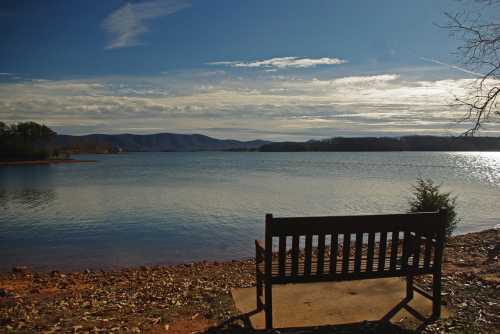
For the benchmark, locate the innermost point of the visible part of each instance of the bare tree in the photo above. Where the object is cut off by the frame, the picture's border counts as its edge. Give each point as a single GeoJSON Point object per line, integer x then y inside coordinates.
{"type": "Point", "coordinates": [479, 32]}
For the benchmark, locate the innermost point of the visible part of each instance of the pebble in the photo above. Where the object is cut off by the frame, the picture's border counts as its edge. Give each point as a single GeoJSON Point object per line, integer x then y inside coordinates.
{"type": "Point", "coordinates": [5, 293]}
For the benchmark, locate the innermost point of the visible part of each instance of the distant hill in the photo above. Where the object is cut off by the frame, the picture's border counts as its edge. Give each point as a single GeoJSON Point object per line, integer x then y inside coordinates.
{"type": "Point", "coordinates": [102, 143]}
{"type": "Point", "coordinates": [170, 142]}
{"type": "Point", "coordinates": [408, 143]}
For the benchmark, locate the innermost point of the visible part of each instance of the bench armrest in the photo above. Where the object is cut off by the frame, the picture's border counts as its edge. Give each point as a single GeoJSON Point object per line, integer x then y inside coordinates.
{"type": "Point", "coordinates": [260, 251]}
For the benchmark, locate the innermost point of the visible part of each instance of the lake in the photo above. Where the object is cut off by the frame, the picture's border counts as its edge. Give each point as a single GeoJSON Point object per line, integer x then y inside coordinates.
{"type": "Point", "coordinates": [161, 208]}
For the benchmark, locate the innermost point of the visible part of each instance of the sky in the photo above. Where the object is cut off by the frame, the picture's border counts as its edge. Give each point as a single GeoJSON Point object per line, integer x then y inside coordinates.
{"type": "Point", "coordinates": [273, 69]}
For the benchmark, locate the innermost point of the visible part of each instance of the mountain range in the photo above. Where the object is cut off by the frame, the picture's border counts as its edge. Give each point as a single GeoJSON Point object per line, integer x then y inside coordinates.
{"type": "Point", "coordinates": [170, 142]}
{"type": "Point", "coordinates": [160, 142]}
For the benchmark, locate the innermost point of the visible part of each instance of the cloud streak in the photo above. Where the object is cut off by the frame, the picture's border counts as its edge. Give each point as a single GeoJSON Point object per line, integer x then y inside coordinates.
{"type": "Point", "coordinates": [455, 67]}
{"type": "Point", "coordinates": [128, 23]}
{"type": "Point", "coordinates": [282, 63]}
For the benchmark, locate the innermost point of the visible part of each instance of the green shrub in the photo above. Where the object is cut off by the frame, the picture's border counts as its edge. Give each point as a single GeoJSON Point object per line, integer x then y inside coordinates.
{"type": "Point", "coordinates": [428, 197]}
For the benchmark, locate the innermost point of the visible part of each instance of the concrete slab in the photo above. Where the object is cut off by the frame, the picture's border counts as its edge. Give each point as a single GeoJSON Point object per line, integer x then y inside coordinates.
{"type": "Point", "coordinates": [332, 303]}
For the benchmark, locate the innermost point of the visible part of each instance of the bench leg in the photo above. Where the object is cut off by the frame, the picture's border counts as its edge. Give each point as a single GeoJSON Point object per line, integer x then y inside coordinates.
{"type": "Point", "coordinates": [269, 306]}
{"type": "Point", "coordinates": [436, 295]}
{"type": "Point", "coordinates": [259, 291]}
{"type": "Point", "coordinates": [409, 286]}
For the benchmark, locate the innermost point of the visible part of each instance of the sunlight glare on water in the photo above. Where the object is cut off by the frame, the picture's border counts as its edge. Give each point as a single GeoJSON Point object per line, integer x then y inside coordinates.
{"type": "Point", "coordinates": [481, 165]}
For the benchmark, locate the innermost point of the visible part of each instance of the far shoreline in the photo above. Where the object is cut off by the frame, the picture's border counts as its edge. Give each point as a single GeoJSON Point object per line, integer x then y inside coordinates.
{"type": "Point", "coordinates": [43, 162]}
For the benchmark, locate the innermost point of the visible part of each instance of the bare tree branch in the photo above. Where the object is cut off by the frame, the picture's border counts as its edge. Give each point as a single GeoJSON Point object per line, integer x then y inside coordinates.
{"type": "Point", "coordinates": [479, 52]}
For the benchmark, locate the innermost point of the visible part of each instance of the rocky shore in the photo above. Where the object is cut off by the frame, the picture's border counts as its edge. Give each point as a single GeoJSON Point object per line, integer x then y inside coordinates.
{"type": "Point", "coordinates": [195, 298]}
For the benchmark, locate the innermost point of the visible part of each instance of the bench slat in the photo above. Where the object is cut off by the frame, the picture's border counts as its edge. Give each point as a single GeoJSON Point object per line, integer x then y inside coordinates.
{"type": "Point", "coordinates": [351, 264]}
{"type": "Point", "coordinates": [295, 255]}
{"type": "Point", "coordinates": [394, 249]}
{"type": "Point", "coordinates": [308, 255]}
{"type": "Point", "coordinates": [282, 254]}
{"type": "Point", "coordinates": [406, 245]}
{"type": "Point", "coordinates": [370, 251]}
{"type": "Point", "coordinates": [345, 251]}
{"type": "Point", "coordinates": [382, 251]}
{"type": "Point", "coordinates": [355, 263]}
{"type": "Point", "coordinates": [416, 256]}
{"type": "Point", "coordinates": [334, 249]}
{"type": "Point", "coordinates": [321, 253]}
{"type": "Point", "coordinates": [357, 255]}
{"type": "Point", "coordinates": [422, 222]}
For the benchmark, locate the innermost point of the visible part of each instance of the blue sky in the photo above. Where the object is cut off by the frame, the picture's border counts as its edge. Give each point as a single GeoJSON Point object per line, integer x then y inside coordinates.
{"type": "Point", "coordinates": [232, 69]}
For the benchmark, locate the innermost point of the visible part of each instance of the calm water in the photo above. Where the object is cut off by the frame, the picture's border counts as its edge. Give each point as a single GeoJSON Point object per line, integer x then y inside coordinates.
{"type": "Point", "coordinates": [150, 208]}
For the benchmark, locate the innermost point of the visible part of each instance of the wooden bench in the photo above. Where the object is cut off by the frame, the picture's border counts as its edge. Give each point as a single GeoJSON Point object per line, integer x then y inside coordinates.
{"type": "Point", "coordinates": [344, 248]}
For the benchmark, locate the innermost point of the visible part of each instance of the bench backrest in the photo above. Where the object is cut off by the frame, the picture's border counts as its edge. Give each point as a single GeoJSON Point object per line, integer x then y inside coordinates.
{"type": "Point", "coordinates": [354, 247]}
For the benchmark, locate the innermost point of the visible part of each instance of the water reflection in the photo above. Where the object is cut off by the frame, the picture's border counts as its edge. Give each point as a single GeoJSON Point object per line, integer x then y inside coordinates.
{"type": "Point", "coordinates": [25, 176]}
{"type": "Point", "coordinates": [26, 187]}
{"type": "Point", "coordinates": [27, 198]}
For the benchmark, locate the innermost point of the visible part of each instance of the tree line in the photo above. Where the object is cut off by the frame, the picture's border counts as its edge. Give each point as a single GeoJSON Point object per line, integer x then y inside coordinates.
{"type": "Point", "coordinates": [407, 143]}
{"type": "Point", "coordinates": [26, 141]}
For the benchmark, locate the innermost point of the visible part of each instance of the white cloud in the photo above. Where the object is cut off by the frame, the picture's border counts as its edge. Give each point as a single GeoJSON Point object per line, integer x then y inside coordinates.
{"type": "Point", "coordinates": [283, 107]}
{"type": "Point", "coordinates": [363, 80]}
{"type": "Point", "coordinates": [126, 25]}
{"type": "Point", "coordinates": [282, 62]}
{"type": "Point", "coordinates": [217, 63]}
